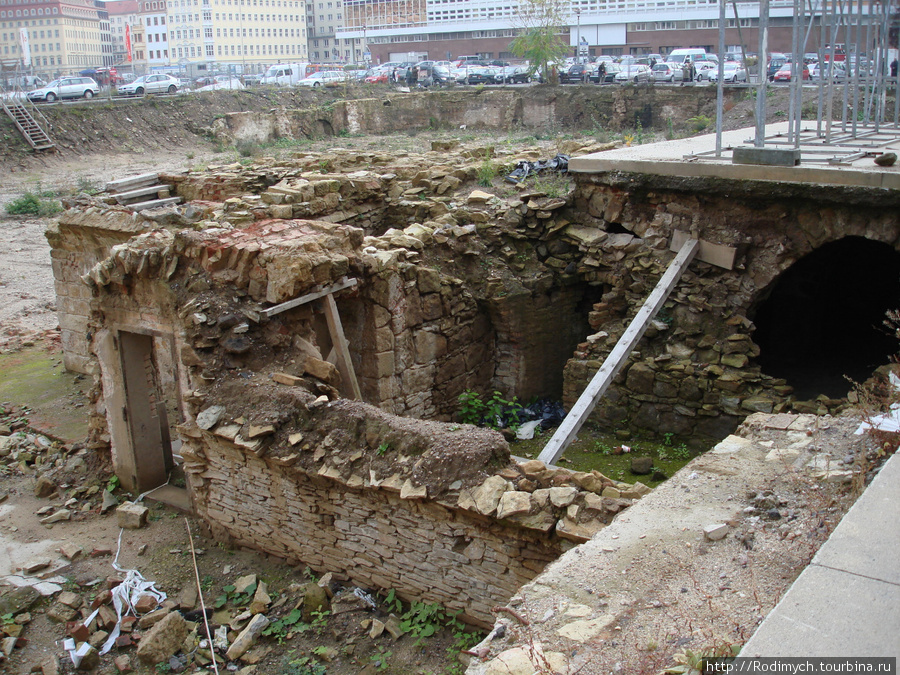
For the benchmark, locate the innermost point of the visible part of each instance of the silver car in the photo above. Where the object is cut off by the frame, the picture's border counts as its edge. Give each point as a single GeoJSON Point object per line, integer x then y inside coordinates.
{"type": "Point", "coordinates": [158, 83]}
{"type": "Point", "coordinates": [65, 87]}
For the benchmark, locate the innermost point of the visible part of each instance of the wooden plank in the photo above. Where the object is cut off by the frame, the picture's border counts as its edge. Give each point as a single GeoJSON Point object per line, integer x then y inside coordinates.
{"type": "Point", "coordinates": [309, 297]}
{"type": "Point", "coordinates": [122, 197]}
{"type": "Point", "coordinates": [140, 206]}
{"type": "Point", "coordinates": [619, 355]}
{"type": "Point", "coordinates": [714, 254]}
{"type": "Point", "coordinates": [344, 364]}
{"type": "Point", "coordinates": [132, 182]}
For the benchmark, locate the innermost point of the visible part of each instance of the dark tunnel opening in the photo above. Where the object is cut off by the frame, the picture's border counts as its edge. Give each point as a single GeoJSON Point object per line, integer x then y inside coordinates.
{"type": "Point", "coordinates": [823, 320]}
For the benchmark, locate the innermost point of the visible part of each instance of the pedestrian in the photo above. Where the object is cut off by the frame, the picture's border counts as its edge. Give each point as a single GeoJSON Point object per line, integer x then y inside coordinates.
{"type": "Point", "coordinates": [894, 68]}
{"type": "Point", "coordinates": [693, 71]}
{"type": "Point", "coordinates": [686, 71]}
{"type": "Point", "coordinates": [601, 73]}
{"type": "Point", "coordinates": [409, 76]}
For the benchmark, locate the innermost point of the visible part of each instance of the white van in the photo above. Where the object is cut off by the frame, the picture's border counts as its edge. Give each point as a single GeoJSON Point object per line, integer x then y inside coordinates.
{"type": "Point", "coordinates": [679, 56]}
{"type": "Point", "coordinates": [284, 74]}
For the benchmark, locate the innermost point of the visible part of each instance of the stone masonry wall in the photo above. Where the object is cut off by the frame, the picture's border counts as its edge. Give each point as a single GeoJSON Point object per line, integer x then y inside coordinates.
{"type": "Point", "coordinates": [372, 537]}
{"type": "Point", "coordinates": [695, 372]}
{"type": "Point", "coordinates": [78, 241]}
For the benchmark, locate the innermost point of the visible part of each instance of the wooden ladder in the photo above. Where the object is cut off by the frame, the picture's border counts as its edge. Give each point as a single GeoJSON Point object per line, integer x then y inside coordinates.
{"type": "Point", "coordinates": [32, 131]}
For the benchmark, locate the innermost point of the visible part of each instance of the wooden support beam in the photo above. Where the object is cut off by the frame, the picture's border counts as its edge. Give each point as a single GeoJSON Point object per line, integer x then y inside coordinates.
{"type": "Point", "coordinates": [344, 364]}
{"type": "Point", "coordinates": [619, 355]}
{"type": "Point", "coordinates": [303, 299]}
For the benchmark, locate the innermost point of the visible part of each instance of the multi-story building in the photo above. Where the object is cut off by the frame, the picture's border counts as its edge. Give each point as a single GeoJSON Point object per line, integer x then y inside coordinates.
{"type": "Point", "coordinates": [125, 19]}
{"type": "Point", "coordinates": [255, 33]}
{"type": "Point", "coordinates": [323, 19]}
{"type": "Point", "coordinates": [156, 32]}
{"type": "Point", "coordinates": [64, 36]}
{"type": "Point", "coordinates": [106, 47]}
{"type": "Point", "coordinates": [450, 28]}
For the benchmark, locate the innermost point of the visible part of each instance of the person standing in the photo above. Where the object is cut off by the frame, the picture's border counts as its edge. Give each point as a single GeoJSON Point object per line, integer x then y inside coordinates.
{"type": "Point", "coordinates": [686, 71]}
{"type": "Point", "coordinates": [601, 72]}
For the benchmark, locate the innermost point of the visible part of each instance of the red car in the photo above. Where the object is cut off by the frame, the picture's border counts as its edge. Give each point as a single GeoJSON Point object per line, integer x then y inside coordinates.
{"type": "Point", "coordinates": [783, 74]}
{"type": "Point", "coordinates": [377, 78]}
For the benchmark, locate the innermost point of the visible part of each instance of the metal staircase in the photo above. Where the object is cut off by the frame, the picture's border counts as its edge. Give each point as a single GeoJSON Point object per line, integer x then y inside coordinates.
{"type": "Point", "coordinates": [26, 124]}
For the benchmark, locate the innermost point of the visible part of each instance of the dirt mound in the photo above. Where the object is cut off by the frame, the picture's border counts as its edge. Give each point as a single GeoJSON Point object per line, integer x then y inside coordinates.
{"type": "Point", "coordinates": [139, 125]}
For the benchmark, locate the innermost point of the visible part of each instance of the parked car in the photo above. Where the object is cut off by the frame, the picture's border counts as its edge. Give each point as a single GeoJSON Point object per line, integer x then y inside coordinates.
{"type": "Point", "coordinates": [223, 82]}
{"type": "Point", "coordinates": [635, 72]}
{"type": "Point", "coordinates": [323, 77]}
{"type": "Point", "coordinates": [664, 72]}
{"type": "Point", "coordinates": [65, 87]}
{"type": "Point", "coordinates": [704, 68]}
{"type": "Point", "coordinates": [817, 71]}
{"type": "Point", "coordinates": [579, 72]}
{"type": "Point", "coordinates": [472, 74]}
{"type": "Point", "coordinates": [775, 64]}
{"type": "Point", "coordinates": [376, 76]}
{"type": "Point", "coordinates": [158, 83]}
{"type": "Point", "coordinates": [734, 72]}
{"type": "Point", "coordinates": [783, 74]}
{"type": "Point", "coordinates": [514, 74]}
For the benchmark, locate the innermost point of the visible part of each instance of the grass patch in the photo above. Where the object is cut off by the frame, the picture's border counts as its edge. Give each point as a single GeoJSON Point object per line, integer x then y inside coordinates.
{"type": "Point", "coordinates": [38, 202]}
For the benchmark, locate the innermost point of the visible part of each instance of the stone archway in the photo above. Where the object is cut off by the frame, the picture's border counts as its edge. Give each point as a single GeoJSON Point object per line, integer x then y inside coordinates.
{"type": "Point", "coordinates": [821, 321]}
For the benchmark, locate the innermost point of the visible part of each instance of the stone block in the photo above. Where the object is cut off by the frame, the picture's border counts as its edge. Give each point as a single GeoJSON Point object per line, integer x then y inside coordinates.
{"type": "Point", "coordinates": [131, 516]}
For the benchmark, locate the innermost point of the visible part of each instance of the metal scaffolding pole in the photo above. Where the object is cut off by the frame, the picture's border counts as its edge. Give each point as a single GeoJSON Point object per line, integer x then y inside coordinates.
{"type": "Point", "coordinates": [720, 83]}
{"type": "Point", "coordinates": [796, 75]}
{"type": "Point", "coordinates": [830, 105]}
{"type": "Point", "coordinates": [760, 138]}
{"type": "Point", "coordinates": [854, 77]}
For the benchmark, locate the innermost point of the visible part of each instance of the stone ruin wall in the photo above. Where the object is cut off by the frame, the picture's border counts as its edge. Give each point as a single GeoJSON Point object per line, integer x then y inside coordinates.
{"type": "Point", "coordinates": [294, 476]}
{"type": "Point", "coordinates": [611, 109]}
{"type": "Point", "coordinates": [694, 373]}
{"type": "Point", "coordinates": [422, 334]}
{"type": "Point", "coordinates": [374, 536]}
{"type": "Point", "coordinates": [283, 461]}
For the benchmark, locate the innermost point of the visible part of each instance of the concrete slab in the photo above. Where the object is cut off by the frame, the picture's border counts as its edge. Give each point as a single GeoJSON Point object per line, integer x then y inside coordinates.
{"type": "Point", "coordinates": [831, 613]}
{"type": "Point", "coordinates": [686, 158]}
{"type": "Point", "coordinates": [867, 540]}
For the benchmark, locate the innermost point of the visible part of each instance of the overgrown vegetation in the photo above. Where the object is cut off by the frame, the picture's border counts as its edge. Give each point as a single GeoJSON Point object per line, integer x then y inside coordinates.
{"type": "Point", "coordinates": [37, 202]}
{"type": "Point", "coordinates": [495, 412]}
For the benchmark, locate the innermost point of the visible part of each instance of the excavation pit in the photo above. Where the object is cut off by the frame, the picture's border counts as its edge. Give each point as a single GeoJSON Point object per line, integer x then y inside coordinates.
{"type": "Point", "coordinates": [523, 291]}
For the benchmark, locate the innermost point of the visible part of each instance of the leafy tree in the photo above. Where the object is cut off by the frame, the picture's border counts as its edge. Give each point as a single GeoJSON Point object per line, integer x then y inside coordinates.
{"type": "Point", "coordinates": [541, 25]}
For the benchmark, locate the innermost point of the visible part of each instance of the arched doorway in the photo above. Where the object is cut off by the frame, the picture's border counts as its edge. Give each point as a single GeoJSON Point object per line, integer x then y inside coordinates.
{"type": "Point", "coordinates": [822, 319]}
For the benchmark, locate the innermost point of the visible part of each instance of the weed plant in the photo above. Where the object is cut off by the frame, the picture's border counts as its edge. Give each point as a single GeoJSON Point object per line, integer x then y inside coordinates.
{"type": "Point", "coordinates": [39, 202]}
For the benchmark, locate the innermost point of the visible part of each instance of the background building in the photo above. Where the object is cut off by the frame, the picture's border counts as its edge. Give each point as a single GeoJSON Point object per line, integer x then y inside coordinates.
{"type": "Point", "coordinates": [445, 29]}
{"type": "Point", "coordinates": [323, 19]}
{"type": "Point", "coordinates": [63, 36]}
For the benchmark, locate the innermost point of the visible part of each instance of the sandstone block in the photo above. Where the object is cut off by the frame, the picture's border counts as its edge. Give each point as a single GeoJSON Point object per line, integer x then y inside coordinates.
{"type": "Point", "coordinates": [164, 639]}
{"type": "Point", "coordinates": [513, 502]}
{"type": "Point", "coordinates": [131, 516]}
{"type": "Point", "coordinates": [487, 495]}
